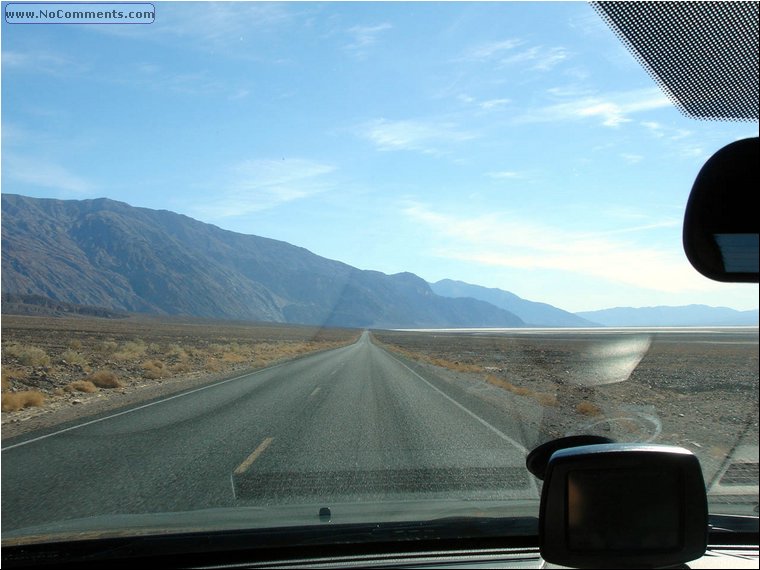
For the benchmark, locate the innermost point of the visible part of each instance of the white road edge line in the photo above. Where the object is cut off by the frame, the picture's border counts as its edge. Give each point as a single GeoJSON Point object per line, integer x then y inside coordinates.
{"type": "Point", "coordinates": [129, 411]}
{"type": "Point", "coordinates": [495, 430]}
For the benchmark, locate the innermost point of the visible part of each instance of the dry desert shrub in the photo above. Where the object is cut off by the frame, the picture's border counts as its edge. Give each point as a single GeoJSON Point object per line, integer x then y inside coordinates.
{"type": "Point", "coordinates": [233, 357]}
{"type": "Point", "coordinates": [73, 357]}
{"type": "Point", "coordinates": [212, 365]}
{"type": "Point", "coordinates": [181, 367]}
{"type": "Point", "coordinates": [104, 379]}
{"type": "Point", "coordinates": [14, 401]}
{"type": "Point", "coordinates": [11, 373]}
{"type": "Point", "coordinates": [541, 397]}
{"type": "Point", "coordinates": [547, 399]}
{"type": "Point", "coordinates": [131, 350]}
{"type": "Point", "coordinates": [107, 347]}
{"type": "Point", "coordinates": [587, 408]}
{"type": "Point", "coordinates": [154, 369]}
{"type": "Point", "coordinates": [75, 344]}
{"type": "Point", "coordinates": [176, 351]}
{"type": "Point", "coordinates": [27, 355]}
{"type": "Point", "coordinates": [81, 386]}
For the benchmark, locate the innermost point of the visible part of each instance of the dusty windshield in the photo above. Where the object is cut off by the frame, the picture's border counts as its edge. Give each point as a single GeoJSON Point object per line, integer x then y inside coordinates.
{"type": "Point", "coordinates": [262, 261]}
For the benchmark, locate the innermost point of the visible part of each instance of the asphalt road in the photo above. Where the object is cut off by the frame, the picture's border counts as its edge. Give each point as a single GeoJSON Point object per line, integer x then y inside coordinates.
{"type": "Point", "coordinates": [352, 424]}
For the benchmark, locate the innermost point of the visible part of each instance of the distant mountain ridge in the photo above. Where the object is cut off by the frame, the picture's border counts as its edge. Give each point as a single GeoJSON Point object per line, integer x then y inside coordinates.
{"type": "Point", "coordinates": [533, 313]}
{"type": "Point", "coordinates": [109, 254]}
{"type": "Point", "coordinates": [665, 316]}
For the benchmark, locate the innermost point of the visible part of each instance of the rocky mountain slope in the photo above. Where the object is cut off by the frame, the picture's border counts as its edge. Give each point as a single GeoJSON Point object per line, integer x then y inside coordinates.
{"type": "Point", "coordinates": [109, 254]}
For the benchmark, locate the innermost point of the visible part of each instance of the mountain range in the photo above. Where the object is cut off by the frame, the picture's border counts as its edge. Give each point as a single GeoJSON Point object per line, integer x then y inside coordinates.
{"type": "Point", "coordinates": [684, 316]}
{"type": "Point", "coordinates": [109, 254]}
{"type": "Point", "coordinates": [533, 313]}
{"type": "Point", "coordinates": [90, 256]}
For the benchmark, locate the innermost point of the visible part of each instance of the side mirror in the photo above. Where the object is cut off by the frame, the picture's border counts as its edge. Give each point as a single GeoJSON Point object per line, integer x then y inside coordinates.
{"type": "Point", "coordinates": [721, 225]}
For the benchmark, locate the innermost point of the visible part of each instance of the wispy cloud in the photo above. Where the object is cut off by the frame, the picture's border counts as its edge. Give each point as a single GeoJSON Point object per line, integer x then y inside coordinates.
{"type": "Point", "coordinates": [364, 37]}
{"type": "Point", "coordinates": [255, 185]}
{"type": "Point", "coordinates": [503, 240]}
{"type": "Point", "coordinates": [44, 173]}
{"type": "Point", "coordinates": [539, 58]}
{"type": "Point", "coordinates": [157, 78]}
{"type": "Point", "coordinates": [45, 62]}
{"type": "Point", "coordinates": [489, 50]}
{"type": "Point", "coordinates": [226, 28]}
{"type": "Point", "coordinates": [426, 136]}
{"type": "Point", "coordinates": [515, 51]}
{"type": "Point", "coordinates": [493, 103]}
{"type": "Point", "coordinates": [485, 104]}
{"type": "Point", "coordinates": [631, 158]}
{"type": "Point", "coordinates": [611, 109]}
{"type": "Point", "coordinates": [505, 174]}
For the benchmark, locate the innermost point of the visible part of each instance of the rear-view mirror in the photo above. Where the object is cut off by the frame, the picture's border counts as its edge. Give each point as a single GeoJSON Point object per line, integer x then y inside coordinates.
{"type": "Point", "coordinates": [720, 234]}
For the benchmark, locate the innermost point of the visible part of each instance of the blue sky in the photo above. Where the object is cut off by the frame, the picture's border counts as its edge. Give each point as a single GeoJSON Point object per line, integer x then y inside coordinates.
{"type": "Point", "coordinates": [511, 145]}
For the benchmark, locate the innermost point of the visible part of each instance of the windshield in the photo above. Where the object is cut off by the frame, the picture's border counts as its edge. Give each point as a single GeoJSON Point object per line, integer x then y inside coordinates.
{"type": "Point", "coordinates": [276, 264]}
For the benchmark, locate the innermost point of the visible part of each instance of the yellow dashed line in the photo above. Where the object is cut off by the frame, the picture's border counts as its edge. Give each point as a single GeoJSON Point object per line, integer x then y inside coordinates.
{"type": "Point", "coordinates": [243, 467]}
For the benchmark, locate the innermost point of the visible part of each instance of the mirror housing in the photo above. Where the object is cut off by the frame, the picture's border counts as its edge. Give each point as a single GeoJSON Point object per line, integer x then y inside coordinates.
{"type": "Point", "coordinates": [721, 224]}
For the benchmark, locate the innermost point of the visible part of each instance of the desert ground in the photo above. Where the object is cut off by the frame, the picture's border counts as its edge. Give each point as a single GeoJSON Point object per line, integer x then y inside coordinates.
{"type": "Point", "coordinates": [56, 370]}
{"type": "Point", "coordinates": [695, 388]}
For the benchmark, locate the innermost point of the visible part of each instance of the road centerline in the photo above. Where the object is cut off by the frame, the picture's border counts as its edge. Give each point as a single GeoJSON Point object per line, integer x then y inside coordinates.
{"type": "Point", "coordinates": [246, 464]}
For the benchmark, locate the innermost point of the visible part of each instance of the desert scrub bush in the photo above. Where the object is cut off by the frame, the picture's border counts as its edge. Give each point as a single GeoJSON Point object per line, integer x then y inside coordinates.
{"type": "Point", "coordinates": [73, 357]}
{"type": "Point", "coordinates": [541, 397]}
{"type": "Point", "coordinates": [104, 379]}
{"type": "Point", "coordinates": [130, 350]}
{"type": "Point", "coordinates": [81, 386]}
{"type": "Point", "coordinates": [181, 367]}
{"type": "Point", "coordinates": [75, 344]}
{"type": "Point", "coordinates": [216, 349]}
{"type": "Point", "coordinates": [212, 364]}
{"type": "Point", "coordinates": [14, 401]}
{"type": "Point", "coordinates": [176, 351]}
{"type": "Point", "coordinates": [11, 373]}
{"type": "Point", "coordinates": [233, 357]}
{"type": "Point", "coordinates": [33, 356]}
{"type": "Point", "coordinates": [154, 369]}
{"type": "Point", "coordinates": [587, 408]}
{"type": "Point", "coordinates": [107, 347]}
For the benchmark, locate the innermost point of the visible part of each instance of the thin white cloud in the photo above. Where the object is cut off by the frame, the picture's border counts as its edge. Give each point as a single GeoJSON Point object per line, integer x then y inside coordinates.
{"type": "Point", "coordinates": [429, 137]}
{"type": "Point", "coordinates": [501, 240]}
{"type": "Point", "coordinates": [611, 109]}
{"type": "Point", "coordinates": [44, 173]}
{"type": "Point", "coordinates": [632, 158]}
{"type": "Point", "coordinates": [488, 50]}
{"type": "Point", "coordinates": [364, 37]}
{"type": "Point", "coordinates": [45, 62]}
{"type": "Point", "coordinates": [501, 174]}
{"type": "Point", "coordinates": [493, 103]}
{"type": "Point", "coordinates": [255, 185]}
{"type": "Point", "coordinates": [506, 53]}
{"type": "Point", "coordinates": [538, 58]}
{"type": "Point", "coordinates": [229, 29]}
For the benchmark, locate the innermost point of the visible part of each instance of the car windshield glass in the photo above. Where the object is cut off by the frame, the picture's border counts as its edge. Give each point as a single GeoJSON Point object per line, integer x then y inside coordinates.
{"type": "Point", "coordinates": [272, 264]}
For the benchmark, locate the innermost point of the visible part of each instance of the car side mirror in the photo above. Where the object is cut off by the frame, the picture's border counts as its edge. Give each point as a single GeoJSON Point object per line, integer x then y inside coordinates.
{"type": "Point", "coordinates": [721, 225]}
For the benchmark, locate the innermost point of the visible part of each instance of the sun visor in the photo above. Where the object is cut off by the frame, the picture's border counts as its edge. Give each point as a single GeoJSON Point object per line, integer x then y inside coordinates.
{"type": "Point", "coordinates": [720, 234]}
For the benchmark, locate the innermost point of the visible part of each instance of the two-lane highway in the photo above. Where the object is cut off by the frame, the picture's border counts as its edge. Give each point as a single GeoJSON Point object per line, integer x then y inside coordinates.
{"type": "Point", "coordinates": [351, 424]}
